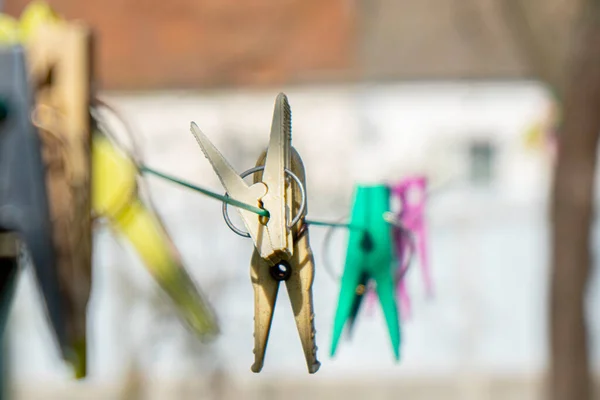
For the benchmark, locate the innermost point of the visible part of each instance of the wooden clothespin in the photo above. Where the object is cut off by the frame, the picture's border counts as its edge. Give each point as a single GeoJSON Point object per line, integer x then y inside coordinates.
{"type": "Point", "coordinates": [369, 257]}
{"type": "Point", "coordinates": [24, 209]}
{"type": "Point", "coordinates": [59, 60]}
{"type": "Point", "coordinates": [282, 250]}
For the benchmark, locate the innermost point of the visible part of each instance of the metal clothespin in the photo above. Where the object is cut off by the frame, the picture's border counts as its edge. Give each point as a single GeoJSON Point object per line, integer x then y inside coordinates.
{"type": "Point", "coordinates": [369, 258]}
{"type": "Point", "coordinates": [24, 209]}
{"type": "Point", "coordinates": [282, 250]}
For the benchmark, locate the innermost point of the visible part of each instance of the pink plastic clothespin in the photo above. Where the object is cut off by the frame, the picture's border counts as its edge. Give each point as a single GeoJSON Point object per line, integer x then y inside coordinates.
{"type": "Point", "coordinates": [405, 250]}
{"type": "Point", "coordinates": [412, 193]}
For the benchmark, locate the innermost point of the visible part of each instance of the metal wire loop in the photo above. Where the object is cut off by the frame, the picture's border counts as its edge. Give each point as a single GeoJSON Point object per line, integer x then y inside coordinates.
{"type": "Point", "coordinates": [326, 245]}
{"type": "Point", "coordinates": [391, 219]}
{"type": "Point", "coordinates": [253, 171]}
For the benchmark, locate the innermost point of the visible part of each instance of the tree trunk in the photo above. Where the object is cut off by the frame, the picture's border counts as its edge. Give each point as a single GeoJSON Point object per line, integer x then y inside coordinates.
{"type": "Point", "coordinates": [572, 214]}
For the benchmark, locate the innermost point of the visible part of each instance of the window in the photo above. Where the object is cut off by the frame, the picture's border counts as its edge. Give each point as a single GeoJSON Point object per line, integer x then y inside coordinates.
{"type": "Point", "coordinates": [482, 157]}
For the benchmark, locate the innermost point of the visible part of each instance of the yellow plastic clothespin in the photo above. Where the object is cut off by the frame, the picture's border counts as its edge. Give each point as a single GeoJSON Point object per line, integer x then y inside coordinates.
{"type": "Point", "coordinates": [282, 250]}
{"type": "Point", "coordinates": [116, 198]}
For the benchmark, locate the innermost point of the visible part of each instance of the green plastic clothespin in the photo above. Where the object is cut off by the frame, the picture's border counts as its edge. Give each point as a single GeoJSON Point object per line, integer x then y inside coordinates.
{"type": "Point", "coordinates": [370, 256]}
{"type": "Point", "coordinates": [361, 291]}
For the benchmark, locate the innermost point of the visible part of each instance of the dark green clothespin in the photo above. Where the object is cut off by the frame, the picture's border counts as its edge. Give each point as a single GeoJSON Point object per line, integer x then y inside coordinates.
{"type": "Point", "coordinates": [370, 256]}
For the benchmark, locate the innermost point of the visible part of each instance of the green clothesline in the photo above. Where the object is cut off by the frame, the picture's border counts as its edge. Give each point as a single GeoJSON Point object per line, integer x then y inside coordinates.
{"type": "Point", "coordinates": [226, 199]}
{"type": "Point", "coordinates": [234, 202]}
{"type": "Point", "coordinates": [333, 224]}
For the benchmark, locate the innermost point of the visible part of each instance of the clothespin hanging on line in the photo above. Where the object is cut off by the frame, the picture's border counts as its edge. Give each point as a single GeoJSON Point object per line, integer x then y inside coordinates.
{"type": "Point", "coordinates": [412, 193]}
{"type": "Point", "coordinates": [282, 251]}
{"type": "Point", "coordinates": [115, 198]}
{"type": "Point", "coordinates": [405, 226]}
{"type": "Point", "coordinates": [369, 257]}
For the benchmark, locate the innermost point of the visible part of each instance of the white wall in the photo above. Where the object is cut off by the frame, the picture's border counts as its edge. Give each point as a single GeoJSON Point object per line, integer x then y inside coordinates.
{"type": "Point", "coordinates": [488, 246]}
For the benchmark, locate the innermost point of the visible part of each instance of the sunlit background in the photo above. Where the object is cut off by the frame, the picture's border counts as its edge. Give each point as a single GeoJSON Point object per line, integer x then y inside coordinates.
{"type": "Point", "coordinates": [379, 89]}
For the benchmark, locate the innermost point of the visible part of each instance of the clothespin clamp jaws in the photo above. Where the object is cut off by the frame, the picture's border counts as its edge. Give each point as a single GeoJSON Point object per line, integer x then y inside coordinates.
{"type": "Point", "coordinates": [272, 236]}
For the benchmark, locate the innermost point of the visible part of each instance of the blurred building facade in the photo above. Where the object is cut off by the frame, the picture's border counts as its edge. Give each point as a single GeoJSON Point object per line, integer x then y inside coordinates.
{"type": "Point", "coordinates": [200, 44]}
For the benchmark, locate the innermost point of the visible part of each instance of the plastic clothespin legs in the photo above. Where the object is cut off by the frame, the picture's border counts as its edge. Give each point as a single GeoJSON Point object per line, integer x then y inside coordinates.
{"type": "Point", "coordinates": [370, 253]}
